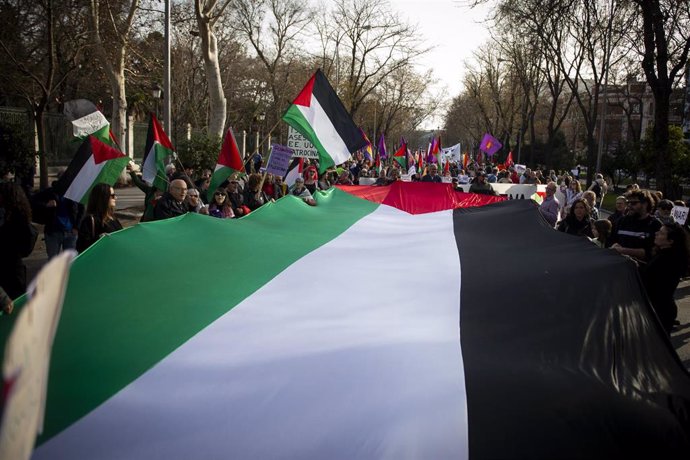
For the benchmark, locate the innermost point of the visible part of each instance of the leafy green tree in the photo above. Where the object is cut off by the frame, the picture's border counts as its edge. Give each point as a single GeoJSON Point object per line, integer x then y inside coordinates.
{"type": "Point", "coordinates": [679, 156]}
{"type": "Point", "coordinates": [199, 152]}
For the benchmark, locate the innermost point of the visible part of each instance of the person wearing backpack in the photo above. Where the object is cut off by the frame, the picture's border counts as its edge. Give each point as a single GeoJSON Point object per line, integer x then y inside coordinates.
{"type": "Point", "coordinates": [17, 238]}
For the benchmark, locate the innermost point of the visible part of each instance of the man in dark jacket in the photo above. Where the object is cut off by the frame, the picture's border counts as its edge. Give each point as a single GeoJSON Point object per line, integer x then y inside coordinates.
{"type": "Point", "coordinates": [171, 204]}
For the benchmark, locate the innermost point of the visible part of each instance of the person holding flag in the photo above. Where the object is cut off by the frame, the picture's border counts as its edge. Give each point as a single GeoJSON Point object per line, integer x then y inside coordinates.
{"type": "Point", "coordinates": [229, 162]}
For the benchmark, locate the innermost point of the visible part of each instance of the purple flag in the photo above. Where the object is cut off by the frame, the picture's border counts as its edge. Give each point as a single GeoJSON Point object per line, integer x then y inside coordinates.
{"type": "Point", "coordinates": [381, 147]}
{"type": "Point", "coordinates": [490, 145]}
{"type": "Point", "coordinates": [367, 148]}
{"type": "Point", "coordinates": [433, 150]}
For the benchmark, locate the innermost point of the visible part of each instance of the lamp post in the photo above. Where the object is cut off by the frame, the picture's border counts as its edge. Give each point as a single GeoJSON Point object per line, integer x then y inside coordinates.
{"type": "Point", "coordinates": [156, 92]}
{"type": "Point", "coordinates": [166, 72]}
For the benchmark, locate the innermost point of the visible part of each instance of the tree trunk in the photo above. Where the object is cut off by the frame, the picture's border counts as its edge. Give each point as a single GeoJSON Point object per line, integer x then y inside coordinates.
{"type": "Point", "coordinates": [591, 156]}
{"type": "Point", "coordinates": [40, 131]}
{"type": "Point", "coordinates": [119, 116]}
{"type": "Point", "coordinates": [664, 181]}
{"type": "Point", "coordinates": [217, 102]}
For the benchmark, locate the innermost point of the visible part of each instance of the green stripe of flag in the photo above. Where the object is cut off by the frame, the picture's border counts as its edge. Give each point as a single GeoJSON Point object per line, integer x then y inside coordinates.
{"type": "Point", "coordinates": [295, 118]}
{"type": "Point", "coordinates": [132, 327]}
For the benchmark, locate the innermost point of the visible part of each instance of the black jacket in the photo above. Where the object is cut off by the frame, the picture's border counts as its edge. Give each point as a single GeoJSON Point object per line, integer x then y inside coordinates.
{"type": "Point", "coordinates": [48, 215]}
{"type": "Point", "coordinates": [168, 207]}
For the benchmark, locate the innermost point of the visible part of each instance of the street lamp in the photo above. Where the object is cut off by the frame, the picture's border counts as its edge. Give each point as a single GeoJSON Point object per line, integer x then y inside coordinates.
{"type": "Point", "coordinates": [156, 92]}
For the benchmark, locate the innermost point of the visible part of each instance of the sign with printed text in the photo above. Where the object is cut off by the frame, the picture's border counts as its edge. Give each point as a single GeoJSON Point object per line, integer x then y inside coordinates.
{"type": "Point", "coordinates": [520, 169]}
{"type": "Point", "coordinates": [279, 160]}
{"type": "Point", "coordinates": [680, 214]}
{"type": "Point", "coordinates": [300, 146]}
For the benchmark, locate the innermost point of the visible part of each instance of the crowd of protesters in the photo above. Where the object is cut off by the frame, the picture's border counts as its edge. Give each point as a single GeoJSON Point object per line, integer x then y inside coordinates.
{"type": "Point", "coordinates": [641, 226]}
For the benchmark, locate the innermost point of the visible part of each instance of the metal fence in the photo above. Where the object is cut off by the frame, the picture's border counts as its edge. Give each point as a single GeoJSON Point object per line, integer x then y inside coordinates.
{"type": "Point", "coordinates": [60, 143]}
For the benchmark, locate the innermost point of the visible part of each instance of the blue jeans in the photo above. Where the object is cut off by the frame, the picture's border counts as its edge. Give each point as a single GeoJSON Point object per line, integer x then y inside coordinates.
{"type": "Point", "coordinates": [59, 241]}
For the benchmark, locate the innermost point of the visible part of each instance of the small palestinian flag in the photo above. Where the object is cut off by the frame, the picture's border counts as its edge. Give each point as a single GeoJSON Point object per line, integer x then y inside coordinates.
{"type": "Point", "coordinates": [319, 115]}
{"type": "Point", "coordinates": [229, 161]}
{"type": "Point", "coordinates": [94, 162]}
{"type": "Point", "coordinates": [158, 149]}
{"type": "Point", "coordinates": [400, 155]}
{"type": "Point", "coordinates": [294, 171]}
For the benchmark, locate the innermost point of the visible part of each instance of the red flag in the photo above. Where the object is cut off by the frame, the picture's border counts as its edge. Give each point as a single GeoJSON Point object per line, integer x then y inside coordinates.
{"type": "Point", "coordinates": [446, 167]}
{"type": "Point", "coordinates": [509, 160]}
{"type": "Point", "coordinates": [465, 161]}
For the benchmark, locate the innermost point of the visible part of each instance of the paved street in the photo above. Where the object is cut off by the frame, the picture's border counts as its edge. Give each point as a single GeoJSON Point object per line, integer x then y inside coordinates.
{"type": "Point", "coordinates": [129, 198]}
{"type": "Point", "coordinates": [130, 206]}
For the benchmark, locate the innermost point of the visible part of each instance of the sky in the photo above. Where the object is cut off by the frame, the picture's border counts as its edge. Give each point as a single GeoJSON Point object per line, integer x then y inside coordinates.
{"type": "Point", "coordinates": [453, 30]}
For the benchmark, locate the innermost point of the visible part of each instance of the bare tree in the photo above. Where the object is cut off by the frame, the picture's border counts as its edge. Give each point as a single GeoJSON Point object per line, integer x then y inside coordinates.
{"type": "Point", "coordinates": [285, 21]}
{"type": "Point", "coordinates": [369, 42]}
{"type": "Point", "coordinates": [208, 12]}
{"type": "Point", "coordinates": [663, 43]}
{"type": "Point", "coordinates": [42, 46]}
{"type": "Point", "coordinates": [579, 38]}
{"type": "Point", "coordinates": [405, 101]}
{"type": "Point", "coordinates": [114, 22]}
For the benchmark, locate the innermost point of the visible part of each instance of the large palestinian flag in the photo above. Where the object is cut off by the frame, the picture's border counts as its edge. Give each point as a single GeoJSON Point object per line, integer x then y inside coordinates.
{"type": "Point", "coordinates": [94, 162]}
{"type": "Point", "coordinates": [311, 339]}
{"type": "Point", "coordinates": [319, 115]}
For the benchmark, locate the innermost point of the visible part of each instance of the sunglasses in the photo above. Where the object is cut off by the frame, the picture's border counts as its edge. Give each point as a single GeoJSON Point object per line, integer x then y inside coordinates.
{"type": "Point", "coordinates": [218, 194]}
{"type": "Point", "coordinates": [193, 195]}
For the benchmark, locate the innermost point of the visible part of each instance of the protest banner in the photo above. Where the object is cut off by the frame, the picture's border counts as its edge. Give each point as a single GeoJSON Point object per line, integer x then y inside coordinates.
{"type": "Point", "coordinates": [680, 214]}
{"type": "Point", "coordinates": [300, 146]}
{"type": "Point", "coordinates": [279, 160]}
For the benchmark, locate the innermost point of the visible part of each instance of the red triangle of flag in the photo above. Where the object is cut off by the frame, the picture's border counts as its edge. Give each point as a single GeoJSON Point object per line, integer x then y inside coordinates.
{"type": "Point", "coordinates": [103, 152]}
{"type": "Point", "coordinates": [159, 134]}
{"type": "Point", "coordinates": [304, 97]}
{"type": "Point", "coordinates": [229, 153]}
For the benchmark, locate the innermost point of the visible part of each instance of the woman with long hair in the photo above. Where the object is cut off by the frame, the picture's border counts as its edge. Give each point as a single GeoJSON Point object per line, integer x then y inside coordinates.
{"type": "Point", "coordinates": [15, 238]}
{"type": "Point", "coordinates": [578, 221]}
{"type": "Point", "coordinates": [663, 272]}
{"type": "Point", "coordinates": [220, 205]}
{"type": "Point", "coordinates": [100, 217]}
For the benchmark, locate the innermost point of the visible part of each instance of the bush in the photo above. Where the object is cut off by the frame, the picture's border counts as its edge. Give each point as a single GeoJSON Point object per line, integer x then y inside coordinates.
{"type": "Point", "coordinates": [199, 152]}
{"type": "Point", "coordinates": [17, 150]}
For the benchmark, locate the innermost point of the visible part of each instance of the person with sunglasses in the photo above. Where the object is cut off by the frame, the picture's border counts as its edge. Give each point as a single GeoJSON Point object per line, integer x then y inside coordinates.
{"type": "Point", "coordinates": [100, 217]}
{"type": "Point", "coordinates": [634, 233]}
{"type": "Point", "coordinates": [220, 206]}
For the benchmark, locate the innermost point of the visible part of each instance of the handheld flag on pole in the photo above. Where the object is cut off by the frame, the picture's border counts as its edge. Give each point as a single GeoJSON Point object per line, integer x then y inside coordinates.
{"type": "Point", "coordinates": [320, 116]}
{"type": "Point", "coordinates": [158, 149]}
{"type": "Point", "coordinates": [490, 145]}
{"type": "Point", "coordinates": [229, 161]}
{"type": "Point", "coordinates": [509, 160]}
{"type": "Point", "coordinates": [294, 171]}
{"type": "Point", "coordinates": [368, 149]}
{"type": "Point", "coordinates": [432, 156]}
{"type": "Point", "coordinates": [381, 147]}
{"type": "Point", "coordinates": [94, 162]}
{"type": "Point", "coordinates": [400, 155]}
